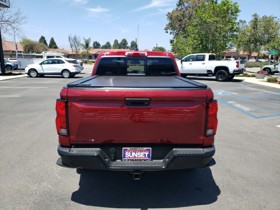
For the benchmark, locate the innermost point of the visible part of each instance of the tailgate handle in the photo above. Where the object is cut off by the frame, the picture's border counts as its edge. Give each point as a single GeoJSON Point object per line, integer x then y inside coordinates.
{"type": "Point", "coordinates": [137, 101]}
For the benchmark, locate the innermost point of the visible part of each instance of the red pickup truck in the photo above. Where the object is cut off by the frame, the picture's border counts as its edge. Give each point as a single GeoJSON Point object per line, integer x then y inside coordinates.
{"type": "Point", "coordinates": [135, 113]}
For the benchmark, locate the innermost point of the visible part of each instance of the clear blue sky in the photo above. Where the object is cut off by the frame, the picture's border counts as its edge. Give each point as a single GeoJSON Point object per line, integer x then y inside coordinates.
{"type": "Point", "coordinates": [107, 20]}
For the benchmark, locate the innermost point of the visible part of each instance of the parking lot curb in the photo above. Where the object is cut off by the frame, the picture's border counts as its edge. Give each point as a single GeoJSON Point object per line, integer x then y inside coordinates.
{"type": "Point", "coordinates": [263, 82]}
{"type": "Point", "coordinates": [7, 77]}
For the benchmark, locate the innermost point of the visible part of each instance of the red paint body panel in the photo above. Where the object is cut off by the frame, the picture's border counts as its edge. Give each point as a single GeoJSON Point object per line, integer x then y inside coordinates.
{"type": "Point", "coordinates": [101, 116]}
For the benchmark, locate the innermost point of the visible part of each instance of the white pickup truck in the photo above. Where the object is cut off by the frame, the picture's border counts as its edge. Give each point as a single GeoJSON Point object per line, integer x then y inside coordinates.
{"type": "Point", "coordinates": [205, 64]}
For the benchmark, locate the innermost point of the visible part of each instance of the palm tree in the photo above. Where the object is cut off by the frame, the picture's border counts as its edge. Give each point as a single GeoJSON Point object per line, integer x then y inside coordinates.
{"type": "Point", "coordinates": [86, 45]}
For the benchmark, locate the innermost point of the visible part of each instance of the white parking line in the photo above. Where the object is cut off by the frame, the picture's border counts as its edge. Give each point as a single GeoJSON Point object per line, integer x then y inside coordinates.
{"type": "Point", "coordinates": [6, 87]}
{"type": "Point", "coordinates": [242, 107]}
{"type": "Point", "coordinates": [10, 96]}
{"type": "Point", "coordinates": [278, 126]}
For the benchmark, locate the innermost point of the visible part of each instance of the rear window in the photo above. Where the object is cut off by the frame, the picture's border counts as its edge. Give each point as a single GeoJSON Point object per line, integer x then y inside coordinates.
{"type": "Point", "coordinates": [150, 66]}
{"type": "Point", "coordinates": [200, 57]}
{"type": "Point", "coordinates": [212, 57]}
{"type": "Point", "coordinates": [72, 61]}
{"type": "Point", "coordinates": [160, 67]}
{"type": "Point", "coordinates": [112, 66]}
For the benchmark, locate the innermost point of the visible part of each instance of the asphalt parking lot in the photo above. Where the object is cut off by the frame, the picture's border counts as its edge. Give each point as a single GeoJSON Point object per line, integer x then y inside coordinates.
{"type": "Point", "coordinates": [244, 173]}
{"type": "Point", "coordinates": [256, 104]}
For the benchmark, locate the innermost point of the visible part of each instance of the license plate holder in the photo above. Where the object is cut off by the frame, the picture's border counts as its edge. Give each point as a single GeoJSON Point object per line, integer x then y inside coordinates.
{"type": "Point", "coordinates": [136, 153]}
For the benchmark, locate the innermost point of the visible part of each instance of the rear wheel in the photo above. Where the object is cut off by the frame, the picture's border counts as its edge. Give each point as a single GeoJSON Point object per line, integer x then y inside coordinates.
{"type": "Point", "coordinates": [9, 68]}
{"type": "Point", "coordinates": [221, 75]}
{"type": "Point", "coordinates": [32, 73]}
{"type": "Point", "coordinates": [268, 70]}
{"type": "Point", "coordinates": [65, 73]}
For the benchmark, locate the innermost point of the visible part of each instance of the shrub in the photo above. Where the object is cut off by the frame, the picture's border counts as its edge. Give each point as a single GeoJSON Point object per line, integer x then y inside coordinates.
{"type": "Point", "coordinates": [255, 64]}
{"type": "Point", "coordinates": [272, 79]}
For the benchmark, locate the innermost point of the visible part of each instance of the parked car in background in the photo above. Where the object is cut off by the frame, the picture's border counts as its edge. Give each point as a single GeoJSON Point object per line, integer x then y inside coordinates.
{"type": "Point", "coordinates": [13, 60]}
{"type": "Point", "coordinates": [57, 66]}
{"type": "Point", "coordinates": [205, 64]}
{"type": "Point", "coordinates": [271, 69]}
{"type": "Point", "coordinates": [262, 60]}
{"type": "Point", "coordinates": [48, 56]}
{"type": "Point", "coordinates": [10, 65]}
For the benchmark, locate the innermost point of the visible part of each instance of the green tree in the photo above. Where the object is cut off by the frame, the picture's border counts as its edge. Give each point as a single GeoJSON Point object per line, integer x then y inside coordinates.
{"type": "Point", "coordinates": [86, 44]}
{"type": "Point", "coordinates": [96, 45]}
{"type": "Point", "coordinates": [270, 28]}
{"type": "Point", "coordinates": [86, 47]}
{"type": "Point", "coordinates": [32, 46]}
{"type": "Point", "coordinates": [159, 49]}
{"type": "Point", "coordinates": [124, 44]}
{"type": "Point", "coordinates": [133, 45]}
{"type": "Point", "coordinates": [116, 44]}
{"type": "Point", "coordinates": [179, 18]}
{"type": "Point", "coordinates": [52, 44]}
{"type": "Point", "coordinates": [275, 46]}
{"type": "Point", "coordinates": [244, 39]}
{"type": "Point", "coordinates": [209, 27]}
{"type": "Point", "coordinates": [261, 33]}
{"type": "Point", "coordinates": [43, 40]}
{"type": "Point", "coordinates": [85, 54]}
{"type": "Point", "coordinates": [107, 45]}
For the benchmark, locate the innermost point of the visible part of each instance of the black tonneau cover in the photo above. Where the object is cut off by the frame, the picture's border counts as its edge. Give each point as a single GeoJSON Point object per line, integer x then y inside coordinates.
{"type": "Point", "coordinates": [136, 82]}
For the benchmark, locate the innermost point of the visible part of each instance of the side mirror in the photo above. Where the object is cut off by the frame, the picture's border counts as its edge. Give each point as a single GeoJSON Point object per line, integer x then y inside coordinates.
{"type": "Point", "coordinates": [181, 61]}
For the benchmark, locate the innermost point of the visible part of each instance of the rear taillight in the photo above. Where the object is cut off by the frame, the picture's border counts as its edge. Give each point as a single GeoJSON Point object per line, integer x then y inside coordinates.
{"type": "Point", "coordinates": [237, 64]}
{"type": "Point", "coordinates": [75, 65]}
{"type": "Point", "coordinates": [212, 120]}
{"type": "Point", "coordinates": [61, 124]}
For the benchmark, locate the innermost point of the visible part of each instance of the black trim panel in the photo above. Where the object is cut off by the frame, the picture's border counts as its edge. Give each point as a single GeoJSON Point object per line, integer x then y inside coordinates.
{"type": "Point", "coordinates": [96, 158]}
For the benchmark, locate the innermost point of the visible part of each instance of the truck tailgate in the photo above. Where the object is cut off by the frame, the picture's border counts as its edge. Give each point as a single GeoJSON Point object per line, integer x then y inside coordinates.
{"type": "Point", "coordinates": [125, 115]}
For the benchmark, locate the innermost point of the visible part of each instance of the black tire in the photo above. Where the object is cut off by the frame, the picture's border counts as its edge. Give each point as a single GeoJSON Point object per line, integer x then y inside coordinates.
{"type": "Point", "coordinates": [32, 73]}
{"type": "Point", "coordinates": [231, 77]}
{"type": "Point", "coordinates": [221, 75]}
{"type": "Point", "coordinates": [268, 70]}
{"type": "Point", "coordinates": [9, 68]}
{"type": "Point", "coordinates": [184, 75]}
{"type": "Point", "coordinates": [65, 73]}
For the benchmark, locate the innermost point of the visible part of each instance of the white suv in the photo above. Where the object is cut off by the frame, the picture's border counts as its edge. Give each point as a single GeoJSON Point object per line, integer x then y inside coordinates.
{"type": "Point", "coordinates": [56, 66]}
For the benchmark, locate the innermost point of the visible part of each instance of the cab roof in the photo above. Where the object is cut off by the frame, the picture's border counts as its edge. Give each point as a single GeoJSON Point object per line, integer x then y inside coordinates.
{"type": "Point", "coordinates": [133, 53]}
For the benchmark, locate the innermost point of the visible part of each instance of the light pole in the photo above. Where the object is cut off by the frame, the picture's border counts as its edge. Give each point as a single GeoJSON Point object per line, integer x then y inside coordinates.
{"type": "Point", "coordinates": [3, 70]}
{"type": "Point", "coordinates": [16, 47]}
{"type": "Point", "coordinates": [5, 4]}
